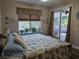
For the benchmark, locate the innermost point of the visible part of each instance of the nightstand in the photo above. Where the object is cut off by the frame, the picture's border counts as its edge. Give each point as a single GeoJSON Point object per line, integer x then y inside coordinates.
{"type": "Point", "coordinates": [1, 48]}
{"type": "Point", "coordinates": [2, 44]}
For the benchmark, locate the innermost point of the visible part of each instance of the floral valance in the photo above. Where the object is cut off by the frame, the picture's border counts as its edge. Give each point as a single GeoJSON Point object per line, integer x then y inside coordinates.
{"type": "Point", "coordinates": [25, 13]}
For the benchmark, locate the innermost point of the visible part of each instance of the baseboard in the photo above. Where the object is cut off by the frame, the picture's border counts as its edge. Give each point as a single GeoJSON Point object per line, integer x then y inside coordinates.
{"type": "Point", "coordinates": [76, 47]}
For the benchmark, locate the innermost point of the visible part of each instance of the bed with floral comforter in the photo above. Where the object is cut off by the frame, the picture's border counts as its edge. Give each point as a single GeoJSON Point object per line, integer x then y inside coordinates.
{"type": "Point", "coordinates": [42, 46]}
{"type": "Point", "coordinates": [45, 47]}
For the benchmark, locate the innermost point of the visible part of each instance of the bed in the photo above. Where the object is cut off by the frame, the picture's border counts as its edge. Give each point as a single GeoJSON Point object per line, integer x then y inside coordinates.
{"type": "Point", "coordinates": [41, 47]}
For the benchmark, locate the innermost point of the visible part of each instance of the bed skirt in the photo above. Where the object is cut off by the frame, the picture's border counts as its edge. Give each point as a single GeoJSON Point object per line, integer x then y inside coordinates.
{"type": "Point", "coordinates": [61, 52]}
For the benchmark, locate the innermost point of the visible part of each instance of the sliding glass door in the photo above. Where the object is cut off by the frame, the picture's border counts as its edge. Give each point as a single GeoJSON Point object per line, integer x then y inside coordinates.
{"type": "Point", "coordinates": [64, 24]}
{"type": "Point", "coordinates": [56, 24]}
{"type": "Point", "coordinates": [60, 24]}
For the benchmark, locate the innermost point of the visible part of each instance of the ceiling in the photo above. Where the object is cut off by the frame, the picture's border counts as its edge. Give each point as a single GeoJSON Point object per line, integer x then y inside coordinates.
{"type": "Point", "coordinates": [49, 3]}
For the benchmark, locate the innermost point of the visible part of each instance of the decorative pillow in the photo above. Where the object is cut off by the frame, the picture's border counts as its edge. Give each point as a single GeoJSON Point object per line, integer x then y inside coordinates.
{"type": "Point", "coordinates": [20, 40]}
{"type": "Point", "coordinates": [3, 39]}
{"type": "Point", "coordinates": [12, 50]}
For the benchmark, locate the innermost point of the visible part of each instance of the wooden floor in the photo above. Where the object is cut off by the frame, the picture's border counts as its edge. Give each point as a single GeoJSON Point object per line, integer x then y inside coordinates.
{"type": "Point", "coordinates": [75, 53]}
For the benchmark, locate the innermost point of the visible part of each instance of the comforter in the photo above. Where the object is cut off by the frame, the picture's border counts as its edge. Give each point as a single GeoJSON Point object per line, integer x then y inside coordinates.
{"type": "Point", "coordinates": [42, 47]}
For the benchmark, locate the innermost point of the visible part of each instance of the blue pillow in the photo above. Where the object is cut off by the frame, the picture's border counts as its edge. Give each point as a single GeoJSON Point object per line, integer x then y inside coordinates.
{"type": "Point", "coordinates": [12, 48]}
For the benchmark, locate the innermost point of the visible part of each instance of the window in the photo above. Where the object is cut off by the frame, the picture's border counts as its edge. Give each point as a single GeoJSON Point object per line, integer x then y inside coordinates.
{"type": "Point", "coordinates": [29, 20]}
{"type": "Point", "coordinates": [36, 24]}
{"type": "Point", "coordinates": [23, 25]}
{"type": "Point", "coordinates": [29, 26]}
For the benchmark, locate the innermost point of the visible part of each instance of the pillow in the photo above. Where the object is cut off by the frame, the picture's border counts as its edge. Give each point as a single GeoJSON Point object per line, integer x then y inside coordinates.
{"type": "Point", "coordinates": [20, 40]}
{"type": "Point", "coordinates": [12, 49]}
{"type": "Point", "coordinates": [3, 39]}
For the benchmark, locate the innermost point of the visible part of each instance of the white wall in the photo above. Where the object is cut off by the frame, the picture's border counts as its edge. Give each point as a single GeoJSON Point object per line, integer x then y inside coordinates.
{"type": "Point", "coordinates": [75, 24]}
{"type": "Point", "coordinates": [9, 10]}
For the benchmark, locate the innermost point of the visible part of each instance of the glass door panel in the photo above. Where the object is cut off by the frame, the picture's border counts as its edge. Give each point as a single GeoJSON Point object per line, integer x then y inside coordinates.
{"type": "Point", "coordinates": [64, 24]}
{"type": "Point", "coordinates": [56, 24]}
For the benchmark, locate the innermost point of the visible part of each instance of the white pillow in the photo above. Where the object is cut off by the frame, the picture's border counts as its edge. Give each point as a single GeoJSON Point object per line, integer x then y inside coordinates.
{"type": "Point", "coordinates": [20, 40]}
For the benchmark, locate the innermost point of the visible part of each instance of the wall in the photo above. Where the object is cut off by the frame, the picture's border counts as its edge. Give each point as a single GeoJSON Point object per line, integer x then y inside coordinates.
{"type": "Point", "coordinates": [45, 15]}
{"type": "Point", "coordinates": [0, 18]}
{"type": "Point", "coordinates": [74, 21]}
{"type": "Point", "coordinates": [75, 25]}
{"type": "Point", "coordinates": [9, 10]}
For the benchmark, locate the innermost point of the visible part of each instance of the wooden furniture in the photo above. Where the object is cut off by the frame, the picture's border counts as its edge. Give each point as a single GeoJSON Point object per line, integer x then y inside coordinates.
{"type": "Point", "coordinates": [2, 43]}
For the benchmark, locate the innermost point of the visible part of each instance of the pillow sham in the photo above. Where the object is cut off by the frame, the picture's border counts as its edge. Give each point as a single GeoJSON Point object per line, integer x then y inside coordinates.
{"type": "Point", "coordinates": [3, 39]}
{"type": "Point", "coordinates": [20, 40]}
{"type": "Point", "coordinates": [12, 49]}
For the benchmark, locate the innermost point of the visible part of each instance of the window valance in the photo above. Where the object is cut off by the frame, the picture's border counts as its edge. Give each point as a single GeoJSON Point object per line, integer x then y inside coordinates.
{"type": "Point", "coordinates": [28, 14]}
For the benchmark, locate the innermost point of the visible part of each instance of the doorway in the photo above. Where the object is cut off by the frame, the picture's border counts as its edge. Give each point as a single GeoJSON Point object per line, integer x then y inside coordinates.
{"type": "Point", "coordinates": [60, 24]}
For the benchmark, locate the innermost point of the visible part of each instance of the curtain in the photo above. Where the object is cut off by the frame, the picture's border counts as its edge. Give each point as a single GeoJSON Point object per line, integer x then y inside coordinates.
{"type": "Point", "coordinates": [68, 28]}
{"type": "Point", "coordinates": [51, 24]}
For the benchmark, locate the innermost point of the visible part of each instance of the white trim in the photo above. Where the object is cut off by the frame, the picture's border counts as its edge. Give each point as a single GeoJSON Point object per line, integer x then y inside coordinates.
{"type": "Point", "coordinates": [61, 8]}
{"type": "Point", "coordinates": [76, 47]}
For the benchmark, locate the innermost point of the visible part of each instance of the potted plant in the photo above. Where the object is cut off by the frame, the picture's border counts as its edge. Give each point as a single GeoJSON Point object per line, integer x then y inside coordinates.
{"type": "Point", "coordinates": [21, 31]}
{"type": "Point", "coordinates": [33, 30]}
{"type": "Point", "coordinates": [26, 30]}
